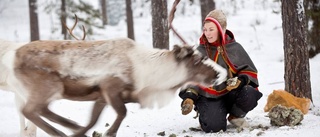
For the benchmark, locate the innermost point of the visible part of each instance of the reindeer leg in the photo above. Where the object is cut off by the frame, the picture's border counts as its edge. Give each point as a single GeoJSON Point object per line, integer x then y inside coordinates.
{"type": "Point", "coordinates": [40, 96]}
{"type": "Point", "coordinates": [31, 130]}
{"type": "Point", "coordinates": [96, 111]}
{"type": "Point", "coordinates": [111, 90]}
{"type": "Point", "coordinates": [120, 108]}
{"type": "Point", "coordinates": [19, 103]}
{"type": "Point", "coordinates": [59, 119]}
{"type": "Point", "coordinates": [32, 110]}
{"type": "Point", "coordinates": [27, 128]}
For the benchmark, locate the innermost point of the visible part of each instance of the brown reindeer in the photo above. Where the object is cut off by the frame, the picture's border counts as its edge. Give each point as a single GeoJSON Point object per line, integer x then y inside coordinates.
{"type": "Point", "coordinates": [112, 72]}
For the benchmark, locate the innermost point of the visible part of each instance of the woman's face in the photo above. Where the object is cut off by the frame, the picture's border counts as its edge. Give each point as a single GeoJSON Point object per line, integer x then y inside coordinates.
{"type": "Point", "coordinates": [211, 31]}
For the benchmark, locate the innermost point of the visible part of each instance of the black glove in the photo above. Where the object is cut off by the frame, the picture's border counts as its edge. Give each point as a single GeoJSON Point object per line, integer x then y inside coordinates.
{"type": "Point", "coordinates": [242, 80]}
{"type": "Point", "coordinates": [189, 92]}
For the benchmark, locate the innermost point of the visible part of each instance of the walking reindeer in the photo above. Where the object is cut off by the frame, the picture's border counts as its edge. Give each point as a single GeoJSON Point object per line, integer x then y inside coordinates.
{"type": "Point", "coordinates": [109, 72]}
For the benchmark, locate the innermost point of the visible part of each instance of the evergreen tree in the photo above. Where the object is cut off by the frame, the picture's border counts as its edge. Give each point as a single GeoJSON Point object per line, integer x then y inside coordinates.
{"type": "Point", "coordinates": [88, 16]}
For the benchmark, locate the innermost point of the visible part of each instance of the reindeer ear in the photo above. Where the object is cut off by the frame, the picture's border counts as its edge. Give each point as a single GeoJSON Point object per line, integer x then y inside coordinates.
{"type": "Point", "coordinates": [182, 52]}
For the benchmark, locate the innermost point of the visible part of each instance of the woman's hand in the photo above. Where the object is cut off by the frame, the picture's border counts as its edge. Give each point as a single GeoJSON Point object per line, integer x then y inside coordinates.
{"type": "Point", "coordinates": [189, 95]}
{"type": "Point", "coordinates": [186, 106]}
{"type": "Point", "coordinates": [237, 82]}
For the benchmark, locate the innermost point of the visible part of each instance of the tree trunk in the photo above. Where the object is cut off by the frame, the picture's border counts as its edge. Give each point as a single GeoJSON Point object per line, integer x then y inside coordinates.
{"type": "Point", "coordinates": [34, 27]}
{"type": "Point", "coordinates": [160, 30]}
{"type": "Point", "coordinates": [104, 11]}
{"type": "Point", "coordinates": [129, 20]}
{"type": "Point", "coordinates": [206, 7]}
{"type": "Point", "coordinates": [63, 18]}
{"type": "Point", "coordinates": [296, 56]}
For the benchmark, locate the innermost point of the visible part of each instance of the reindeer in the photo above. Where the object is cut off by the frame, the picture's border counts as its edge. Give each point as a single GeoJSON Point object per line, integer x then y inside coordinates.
{"type": "Point", "coordinates": [112, 72]}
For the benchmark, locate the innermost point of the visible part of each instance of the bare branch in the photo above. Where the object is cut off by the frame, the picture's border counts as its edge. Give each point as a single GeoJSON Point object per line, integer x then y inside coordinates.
{"type": "Point", "coordinates": [173, 10]}
{"type": "Point", "coordinates": [74, 25]}
{"type": "Point", "coordinates": [170, 19]}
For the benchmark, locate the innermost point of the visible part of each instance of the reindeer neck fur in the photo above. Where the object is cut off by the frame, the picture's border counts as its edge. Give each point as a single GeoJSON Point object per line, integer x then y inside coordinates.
{"type": "Point", "coordinates": [147, 69]}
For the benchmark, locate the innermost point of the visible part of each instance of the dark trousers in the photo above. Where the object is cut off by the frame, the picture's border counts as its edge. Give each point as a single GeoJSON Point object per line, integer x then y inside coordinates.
{"type": "Point", "coordinates": [213, 112]}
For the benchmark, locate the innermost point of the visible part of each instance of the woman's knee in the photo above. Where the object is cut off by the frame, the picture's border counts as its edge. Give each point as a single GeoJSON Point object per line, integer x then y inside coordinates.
{"type": "Point", "coordinates": [213, 122]}
{"type": "Point", "coordinates": [212, 115]}
{"type": "Point", "coordinates": [212, 127]}
{"type": "Point", "coordinates": [247, 98]}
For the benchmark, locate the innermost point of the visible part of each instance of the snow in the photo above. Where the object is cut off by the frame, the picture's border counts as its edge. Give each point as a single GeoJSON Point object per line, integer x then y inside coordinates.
{"type": "Point", "coordinates": [300, 9]}
{"type": "Point", "coordinates": [255, 25]}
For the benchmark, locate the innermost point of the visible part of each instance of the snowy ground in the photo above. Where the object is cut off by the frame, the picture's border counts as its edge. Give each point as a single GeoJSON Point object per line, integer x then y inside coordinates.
{"type": "Point", "coordinates": [255, 26]}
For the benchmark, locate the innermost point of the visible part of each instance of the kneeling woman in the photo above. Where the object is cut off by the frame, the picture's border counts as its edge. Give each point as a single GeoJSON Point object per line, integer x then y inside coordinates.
{"type": "Point", "coordinates": [226, 101]}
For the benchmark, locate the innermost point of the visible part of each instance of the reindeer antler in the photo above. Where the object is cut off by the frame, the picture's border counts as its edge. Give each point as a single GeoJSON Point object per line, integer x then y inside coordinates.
{"type": "Point", "coordinates": [171, 16]}
{"type": "Point", "coordinates": [74, 25]}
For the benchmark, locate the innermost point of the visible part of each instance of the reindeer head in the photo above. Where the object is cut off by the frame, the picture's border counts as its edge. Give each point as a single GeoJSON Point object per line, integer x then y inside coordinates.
{"type": "Point", "coordinates": [203, 69]}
